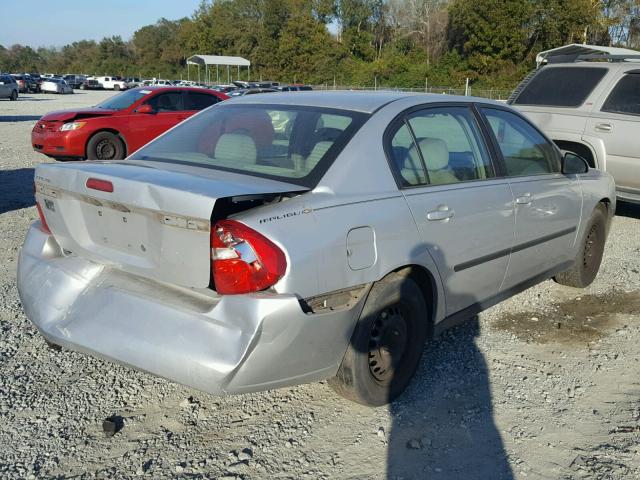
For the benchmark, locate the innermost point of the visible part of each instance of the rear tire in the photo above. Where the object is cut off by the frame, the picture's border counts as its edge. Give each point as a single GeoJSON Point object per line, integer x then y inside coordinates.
{"type": "Point", "coordinates": [587, 264]}
{"type": "Point", "coordinates": [14, 96]}
{"type": "Point", "coordinates": [116, 88]}
{"type": "Point", "coordinates": [105, 146]}
{"type": "Point", "coordinates": [386, 345]}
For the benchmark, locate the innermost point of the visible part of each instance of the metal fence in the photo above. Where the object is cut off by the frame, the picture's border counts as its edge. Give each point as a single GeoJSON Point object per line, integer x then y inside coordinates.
{"type": "Point", "coordinates": [492, 93]}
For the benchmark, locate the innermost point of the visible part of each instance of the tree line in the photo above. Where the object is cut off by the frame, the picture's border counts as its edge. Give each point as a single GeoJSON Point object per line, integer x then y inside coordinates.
{"type": "Point", "coordinates": [399, 43]}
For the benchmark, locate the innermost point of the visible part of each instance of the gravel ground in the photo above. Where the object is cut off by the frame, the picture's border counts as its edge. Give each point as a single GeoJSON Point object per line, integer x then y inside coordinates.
{"type": "Point", "coordinates": [545, 385]}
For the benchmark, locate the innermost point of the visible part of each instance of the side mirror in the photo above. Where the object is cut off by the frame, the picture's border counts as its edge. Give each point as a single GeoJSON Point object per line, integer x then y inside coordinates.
{"type": "Point", "coordinates": [146, 108]}
{"type": "Point", "coordinates": [573, 164]}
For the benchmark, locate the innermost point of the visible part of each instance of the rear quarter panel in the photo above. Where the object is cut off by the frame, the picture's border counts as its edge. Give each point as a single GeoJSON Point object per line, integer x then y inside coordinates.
{"type": "Point", "coordinates": [357, 192]}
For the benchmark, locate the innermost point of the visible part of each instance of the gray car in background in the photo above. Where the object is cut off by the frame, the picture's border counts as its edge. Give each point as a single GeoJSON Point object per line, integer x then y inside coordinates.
{"type": "Point", "coordinates": [279, 239]}
{"type": "Point", "coordinates": [8, 87]}
{"type": "Point", "coordinates": [591, 107]}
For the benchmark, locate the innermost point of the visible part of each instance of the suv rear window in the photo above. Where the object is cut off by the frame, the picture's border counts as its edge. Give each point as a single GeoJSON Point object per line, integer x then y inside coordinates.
{"type": "Point", "coordinates": [560, 86]}
{"type": "Point", "coordinates": [288, 143]}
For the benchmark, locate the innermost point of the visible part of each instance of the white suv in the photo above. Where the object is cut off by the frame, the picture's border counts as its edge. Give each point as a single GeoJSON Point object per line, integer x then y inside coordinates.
{"type": "Point", "coordinates": [591, 108]}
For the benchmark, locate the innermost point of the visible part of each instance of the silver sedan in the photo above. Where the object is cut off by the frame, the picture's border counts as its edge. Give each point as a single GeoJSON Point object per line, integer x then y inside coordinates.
{"type": "Point", "coordinates": [55, 85]}
{"type": "Point", "coordinates": [287, 238]}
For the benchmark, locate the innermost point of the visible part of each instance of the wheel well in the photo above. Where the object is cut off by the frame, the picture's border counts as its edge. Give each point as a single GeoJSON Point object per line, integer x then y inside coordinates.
{"type": "Point", "coordinates": [427, 284]}
{"type": "Point", "coordinates": [110, 130]}
{"type": "Point", "coordinates": [579, 149]}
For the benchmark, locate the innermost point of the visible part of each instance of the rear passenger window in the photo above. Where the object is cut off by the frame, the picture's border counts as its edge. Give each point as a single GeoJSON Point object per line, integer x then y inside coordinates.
{"type": "Point", "coordinates": [625, 97]}
{"type": "Point", "coordinates": [560, 86]}
{"type": "Point", "coordinates": [447, 148]}
{"type": "Point", "coordinates": [524, 149]}
{"type": "Point", "coordinates": [166, 102]}
{"type": "Point", "coordinates": [199, 101]}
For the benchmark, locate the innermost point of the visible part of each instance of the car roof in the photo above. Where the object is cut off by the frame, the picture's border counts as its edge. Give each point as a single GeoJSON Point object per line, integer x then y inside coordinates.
{"type": "Point", "coordinates": [630, 65]}
{"type": "Point", "coordinates": [360, 101]}
{"type": "Point", "coordinates": [153, 88]}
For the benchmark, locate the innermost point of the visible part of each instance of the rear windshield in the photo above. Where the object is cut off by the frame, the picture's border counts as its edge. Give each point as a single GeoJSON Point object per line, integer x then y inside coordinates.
{"type": "Point", "coordinates": [283, 142]}
{"type": "Point", "coordinates": [560, 87]}
{"type": "Point", "coordinates": [123, 100]}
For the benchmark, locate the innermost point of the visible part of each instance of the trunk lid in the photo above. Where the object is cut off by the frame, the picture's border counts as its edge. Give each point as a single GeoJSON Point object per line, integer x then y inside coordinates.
{"type": "Point", "coordinates": [155, 223]}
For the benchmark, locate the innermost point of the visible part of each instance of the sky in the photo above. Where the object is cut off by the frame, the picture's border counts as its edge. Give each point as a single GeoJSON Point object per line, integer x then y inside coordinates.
{"type": "Point", "coordinates": [57, 23]}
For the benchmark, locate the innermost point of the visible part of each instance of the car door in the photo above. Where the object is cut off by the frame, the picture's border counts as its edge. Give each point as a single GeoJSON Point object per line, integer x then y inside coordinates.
{"type": "Point", "coordinates": [167, 111]}
{"type": "Point", "coordinates": [547, 203]}
{"type": "Point", "coordinates": [5, 86]}
{"type": "Point", "coordinates": [463, 210]}
{"type": "Point", "coordinates": [616, 120]}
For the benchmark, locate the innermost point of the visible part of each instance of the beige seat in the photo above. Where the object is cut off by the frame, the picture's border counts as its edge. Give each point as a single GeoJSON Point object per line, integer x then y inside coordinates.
{"type": "Point", "coordinates": [413, 171]}
{"type": "Point", "coordinates": [436, 157]}
{"type": "Point", "coordinates": [304, 165]}
{"type": "Point", "coordinates": [237, 149]}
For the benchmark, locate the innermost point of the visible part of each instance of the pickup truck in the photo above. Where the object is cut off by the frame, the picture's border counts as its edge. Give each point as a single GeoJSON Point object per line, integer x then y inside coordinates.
{"type": "Point", "coordinates": [112, 83]}
{"type": "Point", "coordinates": [592, 108]}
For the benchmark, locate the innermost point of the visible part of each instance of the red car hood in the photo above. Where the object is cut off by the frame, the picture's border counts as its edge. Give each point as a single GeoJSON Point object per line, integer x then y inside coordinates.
{"type": "Point", "coordinates": [65, 115]}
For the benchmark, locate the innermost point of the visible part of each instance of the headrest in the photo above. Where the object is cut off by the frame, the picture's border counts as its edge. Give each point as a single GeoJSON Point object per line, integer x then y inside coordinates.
{"type": "Point", "coordinates": [235, 146]}
{"type": "Point", "coordinates": [435, 153]}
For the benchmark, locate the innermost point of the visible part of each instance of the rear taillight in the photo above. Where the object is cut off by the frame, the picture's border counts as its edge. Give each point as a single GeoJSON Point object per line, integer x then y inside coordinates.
{"type": "Point", "coordinates": [43, 222]}
{"type": "Point", "coordinates": [243, 260]}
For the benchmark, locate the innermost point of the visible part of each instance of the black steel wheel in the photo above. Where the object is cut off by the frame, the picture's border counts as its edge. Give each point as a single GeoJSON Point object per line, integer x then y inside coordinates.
{"type": "Point", "coordinates": [387, 343]}
{"type": "Point", "coordinates": [589, 257]}
{"type": "Point", "coordinates": [105, 146]}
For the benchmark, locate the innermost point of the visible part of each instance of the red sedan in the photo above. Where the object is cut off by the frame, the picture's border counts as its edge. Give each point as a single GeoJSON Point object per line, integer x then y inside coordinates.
{"type": "Point", "coordinates": [120, 125]}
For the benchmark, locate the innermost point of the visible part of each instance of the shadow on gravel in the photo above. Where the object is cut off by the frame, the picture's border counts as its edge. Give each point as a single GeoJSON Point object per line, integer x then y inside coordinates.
{"type": "Point", "coordinates": [16, 189]}
{"type": "Point", "coordinates": [19, 118]}
{"type": "Point", "coordinates": [625, 209]}
{"type": "Point", "coordinates": [443, 424]}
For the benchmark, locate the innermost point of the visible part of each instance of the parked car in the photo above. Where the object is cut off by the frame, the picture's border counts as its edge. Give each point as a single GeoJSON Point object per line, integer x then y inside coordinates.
{"type": "Point", "coordinates": [158, 82]}
{"type": "Point", "coordinates": [8, 87]}
{"type": "Point", "coordinates": [91, 84]}
{"type": "Point", "coordinates": [33, 83]}
{"type": "Point", "coordinates": [37, 79]}
{"type": "Point", "coordinates": [260, 84]}
{"type": "Point", "coordinates": [268, 242]}
{"type": "Point", "coordinates": [224, 88]}
{"type": "Point", "coordinates": [23, 86]}
{"type": "Point", "coordinates": [112, 83]}
{"type": "Point", "coordinates": [133, 82]}
{"type": "Point", "coordinates": [250, 91]}
{"type": "Point", "coordinates": [293, 88]}
{"type": "Point", "coordinates": [55, 85]}
{"type": "Point", "coordinates": [118, 126]}
{"type": "Point", "coordinates": [75, 81]}
{"type": "Point", "coordinates": [591, 108]}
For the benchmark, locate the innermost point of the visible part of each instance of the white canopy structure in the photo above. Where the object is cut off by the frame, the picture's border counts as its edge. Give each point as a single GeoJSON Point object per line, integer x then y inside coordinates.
{"type": "Point", "coordinates": [218, 60]}
{"type": "Point", "coordinates": [575, 49]}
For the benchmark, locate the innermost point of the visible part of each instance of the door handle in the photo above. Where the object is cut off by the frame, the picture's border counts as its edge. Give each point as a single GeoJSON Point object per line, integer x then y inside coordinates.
{"type": "Point", "coordinates": [524, 199]}
{"type": "Point", "coordinates": [604, 127]}
{"type": "Point", "coordinates": [443, 212]}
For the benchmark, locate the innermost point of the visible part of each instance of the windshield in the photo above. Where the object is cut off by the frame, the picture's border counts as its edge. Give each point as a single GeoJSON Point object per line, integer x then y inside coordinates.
{"type": "Point", "coordinates": [123, 100]}
{"type": "Point", "coordinates": [288, 143]}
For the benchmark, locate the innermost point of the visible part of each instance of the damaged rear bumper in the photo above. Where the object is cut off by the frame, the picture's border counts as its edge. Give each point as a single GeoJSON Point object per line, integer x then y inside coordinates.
{"type": "Point", "coordinates": [226, 344]}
